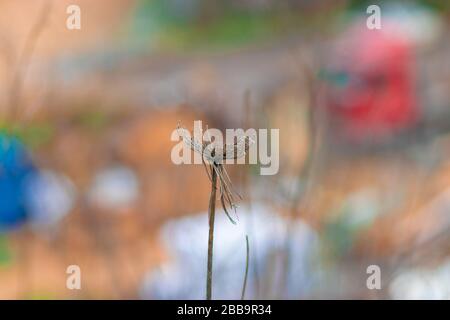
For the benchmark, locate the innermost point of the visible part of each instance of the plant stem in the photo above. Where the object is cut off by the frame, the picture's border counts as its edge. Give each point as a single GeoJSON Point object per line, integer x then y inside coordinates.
{"type": "Point", "coordinates": [244, 286]}
{"type": "Point", "coordinates": [211, 216]}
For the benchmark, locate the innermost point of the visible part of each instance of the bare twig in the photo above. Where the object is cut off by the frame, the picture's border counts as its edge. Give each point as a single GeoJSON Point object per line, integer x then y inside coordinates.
{"type": "Point", "coordinates": [25, 57]}
{"type": "Point", "coordinates": [317, 120]}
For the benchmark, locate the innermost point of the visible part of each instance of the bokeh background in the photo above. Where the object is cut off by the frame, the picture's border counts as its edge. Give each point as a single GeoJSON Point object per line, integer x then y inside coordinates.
{"type": "Point", "coordinates": [86, 177]}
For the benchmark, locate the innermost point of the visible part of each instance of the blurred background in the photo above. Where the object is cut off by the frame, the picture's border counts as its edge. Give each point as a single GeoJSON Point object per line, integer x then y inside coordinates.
{"type": "Point", "coordinates": [85, 171]}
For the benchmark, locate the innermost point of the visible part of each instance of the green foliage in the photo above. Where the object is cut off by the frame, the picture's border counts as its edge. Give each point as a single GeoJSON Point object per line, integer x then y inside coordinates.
{"type": "Point", "coordinates": [40, 296]}
{"type": "Point", "coordinates": [5, 252]}
{"type": "Point", "coordinates": [92, 120]}
{"type": "Point", "coordinates": [33, 135]}
{"type": "Point", "coordinates": [199, 24]}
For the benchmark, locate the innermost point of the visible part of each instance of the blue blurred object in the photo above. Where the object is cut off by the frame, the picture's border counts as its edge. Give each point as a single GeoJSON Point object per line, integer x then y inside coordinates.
{"type": "Point", "coordinates": [49, 196]}
{"type": "Point", "coordinates": [15, 166]}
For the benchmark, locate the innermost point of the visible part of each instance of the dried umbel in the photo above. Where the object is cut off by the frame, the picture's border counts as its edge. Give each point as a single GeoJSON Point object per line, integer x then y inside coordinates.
{"type": "Point", "coordinates": [213, 157]}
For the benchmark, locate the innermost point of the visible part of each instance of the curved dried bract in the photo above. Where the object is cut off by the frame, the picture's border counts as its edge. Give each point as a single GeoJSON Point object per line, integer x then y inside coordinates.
{"type": "Point", "coordinates": [239, 149]}
{"type": "Point", "coordinates": [192, 143]}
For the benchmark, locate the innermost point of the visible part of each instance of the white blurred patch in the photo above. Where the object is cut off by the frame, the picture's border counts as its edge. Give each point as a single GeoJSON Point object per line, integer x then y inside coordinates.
{"type": "Point", "coordinates": [183, 277]}
{"type": "Point", "coordinates": [414, 284]}
{"type": "Point", "coordinates": [49, 196]}
{"type": "Point", "coordinates": [420, 25]}
{"type": "Point", "coordinates": [114, 188]}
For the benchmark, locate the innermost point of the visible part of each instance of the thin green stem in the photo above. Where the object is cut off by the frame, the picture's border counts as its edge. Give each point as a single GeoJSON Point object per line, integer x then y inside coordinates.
{"type": "Point", "coordinates": [244, 286]}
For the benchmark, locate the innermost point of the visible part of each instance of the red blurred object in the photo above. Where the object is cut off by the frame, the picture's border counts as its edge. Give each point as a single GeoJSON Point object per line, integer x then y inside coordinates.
{"type": "Point", "coordinates": [372, 83]}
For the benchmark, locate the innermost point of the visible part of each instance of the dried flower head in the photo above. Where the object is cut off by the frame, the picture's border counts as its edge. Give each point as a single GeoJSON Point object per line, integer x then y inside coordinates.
{"type": "Point", "coordinates": [213, 156]}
